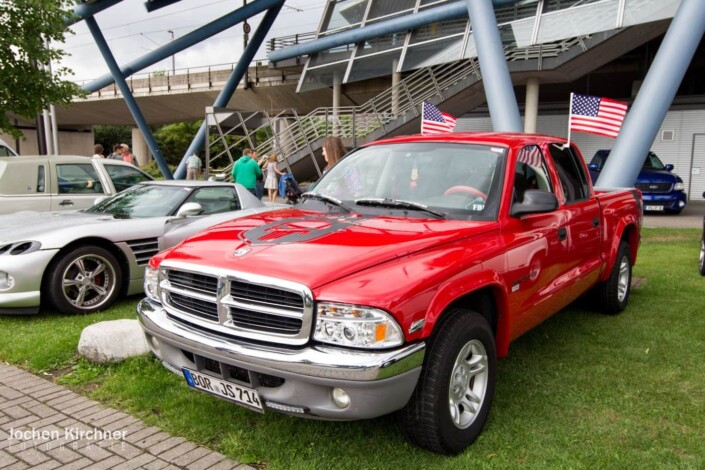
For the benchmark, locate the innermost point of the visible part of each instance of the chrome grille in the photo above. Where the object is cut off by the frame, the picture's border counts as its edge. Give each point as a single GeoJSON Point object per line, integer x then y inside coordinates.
{"type": "Point", "coordinates": [144, 249]}
{"type": "Point", "coordinates": [235, 304]}
{"type": "Point", "coordinates": [654, 187]}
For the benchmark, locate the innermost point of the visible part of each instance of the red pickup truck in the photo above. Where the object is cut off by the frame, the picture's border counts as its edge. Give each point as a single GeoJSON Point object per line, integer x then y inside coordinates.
{"type": "Point", "coordinates": [396, 284]}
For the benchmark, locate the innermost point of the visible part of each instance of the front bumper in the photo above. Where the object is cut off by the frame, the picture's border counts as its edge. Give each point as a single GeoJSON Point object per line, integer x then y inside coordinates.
{"type": "Point", "coordinates": [673, 201]}
{"type": "Point", "coordinates": [298, 381]}
{"type": "Point", "coordinates": [27, 271]}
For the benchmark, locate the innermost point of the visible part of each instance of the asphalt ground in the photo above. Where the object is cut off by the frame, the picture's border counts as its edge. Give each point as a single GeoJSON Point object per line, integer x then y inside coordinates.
{"type": "Point", "coordinates": [691, 217]}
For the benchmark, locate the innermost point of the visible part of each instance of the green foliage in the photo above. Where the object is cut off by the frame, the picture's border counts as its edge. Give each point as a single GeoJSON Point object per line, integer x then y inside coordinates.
{"type": "Point", "coordinates": [109, 136]}
{"type": "Point", "coordinates": [174, 139]}
{"type": "Point", "coordinates": [25, 86]}
{"type": "Point", "coordinates": [582, 390]}
{"type": "Point", "coordinates": [153, 170]}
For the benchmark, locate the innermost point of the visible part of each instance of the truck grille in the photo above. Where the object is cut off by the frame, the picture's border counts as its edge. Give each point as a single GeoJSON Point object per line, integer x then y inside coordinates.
{"type": "Point", "coordinates": [654, 187]}
{"type": "Point", "coordinates": [238, 305]}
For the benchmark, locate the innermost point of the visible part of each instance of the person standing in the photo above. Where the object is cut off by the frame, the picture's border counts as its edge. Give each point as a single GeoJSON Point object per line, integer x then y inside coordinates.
{"type": "Point", "coordinates": [117, 153]}
{"type": "Point", "coordinates": [193, 167]}
{"type": "Point", "coordinates": [271, 184]}
{"type": "Point", "coordinates": [127, 155]}
{"type": "Point", "coordinates": [333, 150]}
{"type": "Point", "coordinates": [259, 184]}
{"type": "Point", "coordinates": [98, 151]}
{"type": "Point", "coordinates": [245, 172]}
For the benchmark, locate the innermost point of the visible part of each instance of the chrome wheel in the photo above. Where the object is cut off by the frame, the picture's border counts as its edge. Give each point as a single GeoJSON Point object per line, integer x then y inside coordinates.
{"type": "Point", "coordinates": [702, 256]}
{"type": "Point", "coordinates": [88, 281]}
{"type": "Point", "coordinates": [624, 279]}
{"type": "Point", "coordinates": [468, 384]}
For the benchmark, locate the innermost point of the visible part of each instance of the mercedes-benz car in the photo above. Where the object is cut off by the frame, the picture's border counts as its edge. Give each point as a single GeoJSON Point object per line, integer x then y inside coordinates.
{"type": "Point", "coordinates": [82, 261]}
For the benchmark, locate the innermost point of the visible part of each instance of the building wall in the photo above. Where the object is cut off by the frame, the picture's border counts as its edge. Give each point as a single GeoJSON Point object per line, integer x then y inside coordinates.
{"type": "Point", "coordinates": [70, 143]}
{"type": "Point", "coordinates": [686, 151]}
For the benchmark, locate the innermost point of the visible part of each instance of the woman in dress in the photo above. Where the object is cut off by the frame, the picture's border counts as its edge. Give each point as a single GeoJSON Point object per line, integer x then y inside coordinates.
{"type": "Point", "coordinates": [271, 184]}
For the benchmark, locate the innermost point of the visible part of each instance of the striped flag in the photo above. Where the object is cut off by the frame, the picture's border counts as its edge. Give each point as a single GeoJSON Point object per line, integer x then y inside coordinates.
{"type": "Point", "coordinates": [434, 121]}
{"type": "Point", "coordinates": [531, 156]}
{"type": "Point", "coordinates": [595, 115]}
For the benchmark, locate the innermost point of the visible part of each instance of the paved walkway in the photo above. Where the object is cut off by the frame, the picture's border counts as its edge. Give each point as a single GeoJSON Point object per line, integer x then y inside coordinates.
{"type": "Point", "coordinates": [47, 426]}
{"type": "Point", "coordinates": [691, 217]}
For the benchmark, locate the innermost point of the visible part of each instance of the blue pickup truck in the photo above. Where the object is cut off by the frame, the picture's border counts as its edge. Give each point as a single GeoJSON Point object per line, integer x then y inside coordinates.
{"type": "Point", "coordinates": [662, 190]}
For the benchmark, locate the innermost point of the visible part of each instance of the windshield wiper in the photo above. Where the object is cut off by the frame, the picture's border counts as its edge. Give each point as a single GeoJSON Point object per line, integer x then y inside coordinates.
{"type": "Point", "coordinates": [328, 199]}
{"type": "Point", "coordinates": [398, 204]}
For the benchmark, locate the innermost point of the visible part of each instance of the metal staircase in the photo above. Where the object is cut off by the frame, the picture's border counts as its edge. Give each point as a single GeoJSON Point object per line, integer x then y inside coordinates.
{"type": "Point", "coordinates": [296, 140]}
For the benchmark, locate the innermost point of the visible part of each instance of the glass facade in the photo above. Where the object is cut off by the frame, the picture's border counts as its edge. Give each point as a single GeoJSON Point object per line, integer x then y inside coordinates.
{"type": "Point", "coordinates": [523, 24]}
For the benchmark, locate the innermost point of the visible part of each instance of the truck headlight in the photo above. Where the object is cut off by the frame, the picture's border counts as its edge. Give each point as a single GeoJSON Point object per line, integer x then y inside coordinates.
{"type": "Point", "coordinates": [151, 283]}
{"type": "Point", "coordinates": [356, 326]}
{"type": "Point", "coordinates": [678, 187]}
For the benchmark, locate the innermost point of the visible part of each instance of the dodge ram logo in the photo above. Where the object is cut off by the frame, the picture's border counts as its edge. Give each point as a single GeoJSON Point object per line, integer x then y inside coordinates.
{"type": "Point", "coordinates": [295, 229]}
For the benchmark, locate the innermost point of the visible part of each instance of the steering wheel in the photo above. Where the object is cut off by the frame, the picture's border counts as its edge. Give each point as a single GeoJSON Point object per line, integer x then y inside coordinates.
{"type": "Point", "coordinates": [467, 190]}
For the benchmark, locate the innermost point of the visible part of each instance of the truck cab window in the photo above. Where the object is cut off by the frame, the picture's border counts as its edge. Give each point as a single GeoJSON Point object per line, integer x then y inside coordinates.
{"type": "Point", "coordinates": [571, 173]}
{"type": "Point", "coordinates": [531, 172]}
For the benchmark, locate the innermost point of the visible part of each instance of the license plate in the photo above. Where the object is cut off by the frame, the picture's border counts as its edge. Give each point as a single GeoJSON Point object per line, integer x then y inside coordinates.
{"type": "Point", "coordinates": [653, 208]}
{"type": "Point", "coordinates": [207, 383]}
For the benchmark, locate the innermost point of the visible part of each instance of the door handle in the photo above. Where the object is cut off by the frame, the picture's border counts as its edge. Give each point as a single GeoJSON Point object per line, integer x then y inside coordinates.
{"type": "Point", "coordinates": [562, 233]}
{"type": "Point", "coordinates": [596, 222]}
{"type": "Point", "coordinates": [66, 202]}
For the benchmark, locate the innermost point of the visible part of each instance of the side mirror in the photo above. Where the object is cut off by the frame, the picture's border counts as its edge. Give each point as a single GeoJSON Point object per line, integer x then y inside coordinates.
{"type": "Point", "coordinates": [535, 202]}
{"type": "Point", "coordinates": [593, 167]}
{"type": "Point", "coordinates": [669, 167]}
{"type": "Point", "coordinates": [189, 209]}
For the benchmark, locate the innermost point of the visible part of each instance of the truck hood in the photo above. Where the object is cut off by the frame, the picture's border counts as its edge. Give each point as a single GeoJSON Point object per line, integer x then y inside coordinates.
{"type": "Point", "coordinates": [656, 176]}
{"type": "Point", "coordinates": [315, 248]}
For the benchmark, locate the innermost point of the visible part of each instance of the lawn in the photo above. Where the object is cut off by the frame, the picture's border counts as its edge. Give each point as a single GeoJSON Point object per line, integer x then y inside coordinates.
{"type": "Point", "coordinates": [582, 390]}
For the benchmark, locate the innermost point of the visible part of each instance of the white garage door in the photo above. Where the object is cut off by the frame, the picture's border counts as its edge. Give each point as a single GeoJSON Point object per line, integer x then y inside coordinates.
{"type": "Point", "coordinates": [697, 168]}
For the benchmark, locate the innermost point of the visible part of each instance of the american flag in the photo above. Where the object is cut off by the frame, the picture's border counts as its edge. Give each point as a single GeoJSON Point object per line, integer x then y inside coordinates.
{"type": "Point", "coordinates": [530, 156]}
{"type": "Point", "coordinates": [434, 121]}
{"type": "Point", "coordinates": [595, 115]}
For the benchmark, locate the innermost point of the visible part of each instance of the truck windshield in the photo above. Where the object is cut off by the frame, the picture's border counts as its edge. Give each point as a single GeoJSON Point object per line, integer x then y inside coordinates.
{"type": "Point", "coordinates": [457, 181]}
{"type": "Point", "coordinates": [653, 162]}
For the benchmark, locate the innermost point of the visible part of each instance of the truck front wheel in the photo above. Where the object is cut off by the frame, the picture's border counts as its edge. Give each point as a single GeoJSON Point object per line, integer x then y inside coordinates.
{"type": "Point", "coordinates": [452, 399]}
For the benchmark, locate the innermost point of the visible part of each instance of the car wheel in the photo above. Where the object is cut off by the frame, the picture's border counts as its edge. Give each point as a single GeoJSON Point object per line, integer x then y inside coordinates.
{"type": "Point", "coordinates": [84, 280]}
{"type": "Point", "coordinates": [613, 294]}
{"type": "Point", "coordinates": [702, 255]}
{"type": "Point", "coordinates": [454, 393]}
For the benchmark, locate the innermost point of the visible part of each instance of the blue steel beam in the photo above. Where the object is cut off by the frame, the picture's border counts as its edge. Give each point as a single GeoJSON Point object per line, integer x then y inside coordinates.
{"type": "Point", "coordinates": [127, 95]}
{"type": "Point", "coordinates": [176, 46]}
{"type": "Point", "coordinates": [426, 16]}
{"type": "Point", "coordinates": [152, 5]}
{"type": "Point", "coordinates": [231, 85]}
{"type": "Point", "coordinates": [504, 111]}
{"type": "Point", "coordinates": [87, 10]}
{"type": "Point", "coordinates": [655, 96]}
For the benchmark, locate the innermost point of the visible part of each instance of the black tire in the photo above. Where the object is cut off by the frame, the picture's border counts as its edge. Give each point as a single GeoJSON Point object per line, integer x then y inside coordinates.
{"type": "Point", "coordinates": [463, 343]}
{"type": "Point", "coordinates": [613, 294]}
{"type": "Point", "coordinates": [84, 280]}
{"type": "Point", "coordinates": [701, 264]}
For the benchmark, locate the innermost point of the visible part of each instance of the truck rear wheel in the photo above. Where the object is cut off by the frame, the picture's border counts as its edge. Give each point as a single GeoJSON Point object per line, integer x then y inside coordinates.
{"type": "Point", "coordinates": [452, 399]}
{"type": "Point", "coordinates": [701, 266]}
{"type": "Point", "coordinates": [613, 294]}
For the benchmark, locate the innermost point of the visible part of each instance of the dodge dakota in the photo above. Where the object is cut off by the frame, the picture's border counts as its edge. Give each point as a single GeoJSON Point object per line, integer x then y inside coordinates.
{"type": "Point", "coordinates": [397, 282]}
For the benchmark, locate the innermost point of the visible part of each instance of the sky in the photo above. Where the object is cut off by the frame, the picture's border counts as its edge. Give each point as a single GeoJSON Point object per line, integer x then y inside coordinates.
{"type": "Point", "coordinates": [131, 32]}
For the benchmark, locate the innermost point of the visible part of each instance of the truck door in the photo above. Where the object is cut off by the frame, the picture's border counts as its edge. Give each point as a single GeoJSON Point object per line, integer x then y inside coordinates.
{"type": "Point", "coordinates": [77, 186]}
{"type": "Point", "coordinates": [581, 230]}
{"type": "Point", "coordinates": [536, 255]}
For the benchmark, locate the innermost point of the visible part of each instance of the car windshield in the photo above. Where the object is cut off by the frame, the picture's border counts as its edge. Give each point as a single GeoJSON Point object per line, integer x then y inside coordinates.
{"type": "Point", "coordinates": [143, 201]}
{"type": "Point", "coordinates": [423, 179]}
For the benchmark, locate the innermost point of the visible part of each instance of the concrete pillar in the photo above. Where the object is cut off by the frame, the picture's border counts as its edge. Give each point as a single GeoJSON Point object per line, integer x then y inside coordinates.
{"type": "Point", "coordinates": [139, 147]}
{"type": "Point", "coordinates": [337, 92]}
{"type": "Point", "coordinates": [396, 79]}
{"type": "Point", "coordinates": [531, 110]}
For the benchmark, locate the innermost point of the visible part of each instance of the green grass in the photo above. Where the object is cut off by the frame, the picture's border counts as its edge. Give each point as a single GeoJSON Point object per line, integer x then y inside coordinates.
{"type": "Point", "coordinates": [582, 390]}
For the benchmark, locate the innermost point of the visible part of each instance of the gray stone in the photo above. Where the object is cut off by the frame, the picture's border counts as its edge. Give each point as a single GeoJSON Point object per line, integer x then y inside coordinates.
{"type": "Point", "coordinates": [112, 341]}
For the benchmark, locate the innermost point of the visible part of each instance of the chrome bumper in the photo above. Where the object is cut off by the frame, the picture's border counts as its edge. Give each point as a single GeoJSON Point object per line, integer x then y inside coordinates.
{"type": "Point", "coordinates": [379, 382]}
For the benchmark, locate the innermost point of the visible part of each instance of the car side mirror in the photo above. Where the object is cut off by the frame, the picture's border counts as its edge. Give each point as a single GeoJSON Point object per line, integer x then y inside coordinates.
{"type": "Point", "coordinates": [669, 167]}
{"type": "Point", "coordinates": [593, 167]}
{"type": "Point", "coordinates": [535, 202]}
{"type": "Point", "coordinates": [190, 209]}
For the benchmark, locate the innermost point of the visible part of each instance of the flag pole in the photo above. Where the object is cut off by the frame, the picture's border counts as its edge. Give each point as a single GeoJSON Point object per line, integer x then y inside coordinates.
{"type": "Point", "coordinates": [570, 117]}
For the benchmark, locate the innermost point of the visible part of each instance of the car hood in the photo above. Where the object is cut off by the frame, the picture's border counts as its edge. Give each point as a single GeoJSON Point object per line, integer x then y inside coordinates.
{"type": "Point", "coordinates": [53, 229]}
{"type": "Point", "coordinates": [314, 248]}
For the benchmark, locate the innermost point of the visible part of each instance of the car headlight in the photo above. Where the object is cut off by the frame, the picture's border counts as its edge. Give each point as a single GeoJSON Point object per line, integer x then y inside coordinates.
{"type": "Point", "coordinates": [151, 283]}
{"type": "Point", "coordinates": [679, 187]}
{"type": "Point", "coordinates": [356, 326]}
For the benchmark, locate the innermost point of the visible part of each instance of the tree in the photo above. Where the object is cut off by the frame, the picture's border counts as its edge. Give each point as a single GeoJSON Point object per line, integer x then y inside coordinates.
{"type": "Point", "coordinates": [26, 86]}
{"type": "Point", "coordinates": [174, 139]}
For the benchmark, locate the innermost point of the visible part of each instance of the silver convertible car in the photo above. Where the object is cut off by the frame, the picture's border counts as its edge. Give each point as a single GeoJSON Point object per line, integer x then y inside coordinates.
{"type": "Point", "coordinates": [81, 262]}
